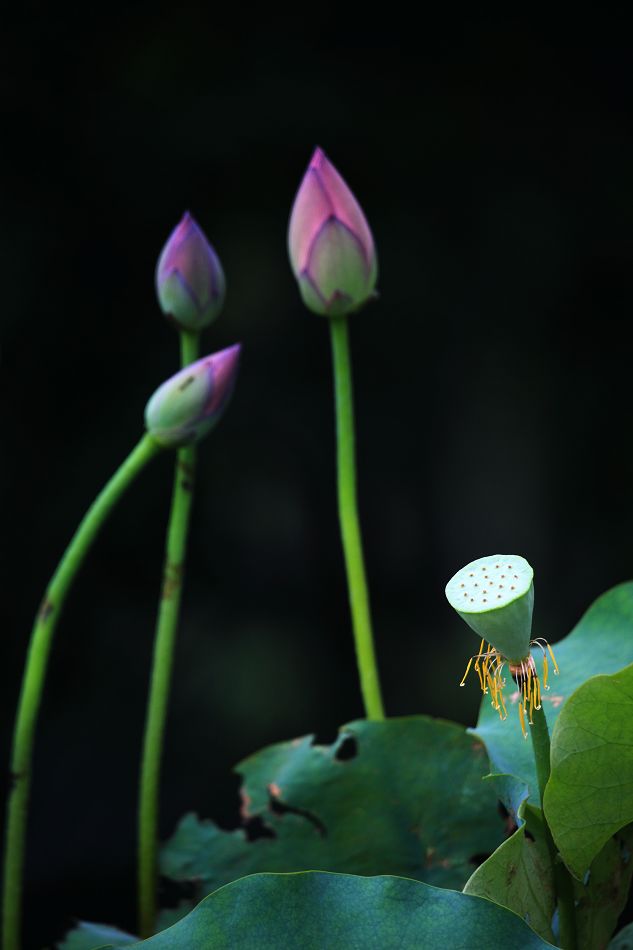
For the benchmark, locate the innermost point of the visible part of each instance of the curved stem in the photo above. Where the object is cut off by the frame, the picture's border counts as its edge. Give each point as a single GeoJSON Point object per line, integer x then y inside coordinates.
{"type": "Point", "coordinates": [34, 677]}
{"type": "Point", "coordinates": [350, 528]}
{"type": "Point", "coordinates": [562, 881]}
{"type": "Point", "coordinates": [164, 643]}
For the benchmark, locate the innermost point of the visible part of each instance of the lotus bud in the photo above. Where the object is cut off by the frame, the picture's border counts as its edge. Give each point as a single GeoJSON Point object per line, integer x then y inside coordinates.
{"type": "Point", "coordinates": [186, 407]}
{"type": "Point", "coordinates": [331, 248]}
{"type": "Point", "coordinates": [495, 596]}
{"type": "Point", "coordinates": [189, 277]}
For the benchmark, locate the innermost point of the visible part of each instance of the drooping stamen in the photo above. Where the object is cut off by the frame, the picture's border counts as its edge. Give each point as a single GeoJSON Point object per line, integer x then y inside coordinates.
{"type": "Point", "coordinates": [531, 705]}
{"type": "Point", "coordinates": [531, 685]}
{"type": "Point", "coordinates": [491, 686]}
{"type": "Point", "coordinates": [537, 698]}
{"type": "Point", "coordinates": [524, 684]}
{"type": "Point", "coordinates": [463, 682]}
{"type": "Point", "coordinates": [551, 653]}
{"type": "Point", "coordinates": [490, 665]}
{"type": "Point", "coordinates": [498, 671]}
{"type": "Point", "coordinates": [481, 672]}
{"type": "Point", "coordinates": [484, 672]}
{"type": "Point", "coordinates": [478, 671]}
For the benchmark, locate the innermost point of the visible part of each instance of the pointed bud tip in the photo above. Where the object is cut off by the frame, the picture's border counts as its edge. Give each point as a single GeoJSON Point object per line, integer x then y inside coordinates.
{"type": "Point", "coordinates": [225, 365]}
{"type": "Point", "coordinates": [318, 158]}
{"type": "Point", "coordinates": [232, 353]}
{"type": "Point", "coordinates": [184, 225]}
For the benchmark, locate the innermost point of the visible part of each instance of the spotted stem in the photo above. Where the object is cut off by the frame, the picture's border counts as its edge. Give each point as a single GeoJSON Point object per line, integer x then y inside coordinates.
{"type": "Point", "coordinates": [34, 679]}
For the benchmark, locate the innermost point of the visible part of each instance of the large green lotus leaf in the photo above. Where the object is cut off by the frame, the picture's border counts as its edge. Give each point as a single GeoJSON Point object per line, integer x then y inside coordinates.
{"type": "Point", "coordinates": [589, 795]}
{"type": "Point", "coordinates": [87, 936]}
{"type": "Point", "coordinates": [316, 910]}
{"type": "Point", "coordinates": [403, 796]}
{"type": "Point", "coordinates": [602, 642]}
{"type": "Point", "coordinates": [519, 874]}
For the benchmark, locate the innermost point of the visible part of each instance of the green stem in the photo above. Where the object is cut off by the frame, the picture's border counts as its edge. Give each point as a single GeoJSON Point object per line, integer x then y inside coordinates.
{"type": "Point", "coordinates": [562, 881]}
{"type": "Point", "coordinates": [350, 528]}
{"type": "Point", "coordinates": [35, 674]}
{"type": "Point", "coordinates": [164, 643]}
{"type": "Point", "coordinates": [540, 746]}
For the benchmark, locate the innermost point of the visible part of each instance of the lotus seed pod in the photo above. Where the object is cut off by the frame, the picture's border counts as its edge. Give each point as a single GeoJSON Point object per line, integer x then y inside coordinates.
{"type": "Point", "coordinates": [495, 596]}
{"type": "Point", "coordinates": [186, 407]}
{"type": "Point", "coordinates": [189, 277]}
{"type": "Point", "coordinates": [331, 247]}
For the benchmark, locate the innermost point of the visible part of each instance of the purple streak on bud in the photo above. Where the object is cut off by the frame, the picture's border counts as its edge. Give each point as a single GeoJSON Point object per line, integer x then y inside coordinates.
{"type": "Point", "coordinates": [330, 244]}
{"type": "Point", "coordinates": [189, 277]}
{"type": "Point", "coordinates": [186, 407]}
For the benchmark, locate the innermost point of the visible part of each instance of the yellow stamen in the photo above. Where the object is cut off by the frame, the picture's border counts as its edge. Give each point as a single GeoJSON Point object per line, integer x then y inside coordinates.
{"type": "Point", "coordinates": [484, 670]}
{"type": "Point", "coordinates": [530, 686]}
{"type": "Point", "coordinates": [478, 671]}
{"type": "Point", "coordinates": [497, 693]}
{"type": "Point", "coordinates": [466, 673]}
{"type": "Point", "coordinates": [491, 686]}
{"type": "Point", "coordinates": [489, 665]}
{"type": "Point", "coordinates": [551, 653]}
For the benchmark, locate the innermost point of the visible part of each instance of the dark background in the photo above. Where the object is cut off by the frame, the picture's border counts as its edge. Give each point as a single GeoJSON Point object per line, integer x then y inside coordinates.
{"type": "Point", "coordinates": [494, 160]}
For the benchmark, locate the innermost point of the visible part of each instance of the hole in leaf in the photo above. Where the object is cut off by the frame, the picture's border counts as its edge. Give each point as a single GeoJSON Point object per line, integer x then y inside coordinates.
{"type": "Point", "coordinates": [529, 835]}
{"type": "Point", "coordinates": [348, 749]}
{"type": "Point", "coordinates": [256, 828]}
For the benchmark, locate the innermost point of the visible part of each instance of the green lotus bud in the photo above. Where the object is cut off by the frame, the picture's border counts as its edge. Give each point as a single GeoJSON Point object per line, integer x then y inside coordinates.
{"type": "Point", "coordinates": [189, 277]}
{"type": "Point", "coordinates": [495, 596]}
{"type": "Point", "coordinates": [189, 404]}
{"type": "Point", "coordinates": [331, 247]}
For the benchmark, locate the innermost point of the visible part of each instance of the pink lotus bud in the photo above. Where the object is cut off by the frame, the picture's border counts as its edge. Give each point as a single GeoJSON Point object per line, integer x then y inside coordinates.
{"type": "Point", "coordinates": [189, 404]}
{"type": "Point", "coordinates": [189, 277]}
{"type": "Point", "coordinates": [331, 247]}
